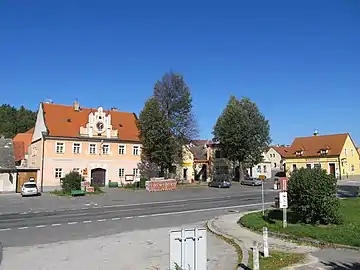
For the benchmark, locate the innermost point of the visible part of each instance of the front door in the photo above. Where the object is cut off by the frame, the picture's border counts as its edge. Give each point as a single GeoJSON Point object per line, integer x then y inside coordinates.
{"type": "Point", "coordinates": [332, 169]}
{"type": "Point", "coordinates": [98, 177]}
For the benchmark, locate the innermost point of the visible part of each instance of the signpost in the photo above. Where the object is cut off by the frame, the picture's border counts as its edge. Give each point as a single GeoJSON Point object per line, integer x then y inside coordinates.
{"type": "Point", "coordinates": [262, 178]}
{"type": "Point", "coordinates": [283, 199]}
{"type": "Point", "coordinates": [265, 240]}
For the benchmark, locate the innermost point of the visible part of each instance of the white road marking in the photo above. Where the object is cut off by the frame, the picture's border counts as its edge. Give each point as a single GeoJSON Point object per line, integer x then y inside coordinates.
{"type": "Point", "coordinates": [71, 223]}
{"type": "Point", "coordinates": [116, 218]}
{"type": "Point", "coordinates": [87, 221]}
{"type": "Point", "coordinates": [56, 224]}
{"type": "Point", "coordinates": [129, 217]}
{"type": "Point", "coordinates": [40, 226]}
{"type": "Point", "coordinates": [3, 230]}
{"type": "Point", "coordinates": [22, 228]}
{"type": "Point", "coordinates": [85, 208]}
{"type": "Point", "coordinates": [100, 220]}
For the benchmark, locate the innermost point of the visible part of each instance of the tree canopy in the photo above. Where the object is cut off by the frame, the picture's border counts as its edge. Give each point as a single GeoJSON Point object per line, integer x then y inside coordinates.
{"type": "Point", "coordinates": [242, 132]}
{"type": "Point", "coordinates": [167, 123]}
{"type": "Point", "coordinates": [13, 120]}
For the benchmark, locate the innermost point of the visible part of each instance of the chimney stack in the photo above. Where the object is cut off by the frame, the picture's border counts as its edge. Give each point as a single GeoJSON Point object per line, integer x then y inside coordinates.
{"type": "Point", "coordinates": [76, 105]}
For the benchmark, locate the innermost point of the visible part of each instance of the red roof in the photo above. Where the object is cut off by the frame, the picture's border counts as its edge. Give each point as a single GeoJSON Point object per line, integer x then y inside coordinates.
{"type": "Point", "coordinates": [64, 121]}
{"type": "Point", "coordinates": [282, 150]}
{"type": "Point", "coordinates": [21, 144]}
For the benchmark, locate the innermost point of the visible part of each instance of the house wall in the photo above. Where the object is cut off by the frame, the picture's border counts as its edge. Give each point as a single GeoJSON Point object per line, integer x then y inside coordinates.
{"type": "Point", "coordinates": [275, 159]}
{"type": "Point", "coordinates": [188, 165]}
{"type": "Point", "coordinates": [263, 168]}
{"type": "Point", "coordinates": [39, 124]}
{"type": "Point", "coordinates": [350, 161]}
{"type": "Point", "coordinates": [35, 154]}
{"type": "Point", "coordinates": [7, 182]}
{"type": "Point", "coordinates": [84, 161]}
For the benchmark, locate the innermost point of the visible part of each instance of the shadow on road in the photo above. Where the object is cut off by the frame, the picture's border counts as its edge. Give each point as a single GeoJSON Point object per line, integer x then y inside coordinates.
{"type": "Point", "coordinates": [348, 191]}
{"type": "Point", "coordinates": [1, 253]}
{"type": "Point", "coordinates": [341, 266]}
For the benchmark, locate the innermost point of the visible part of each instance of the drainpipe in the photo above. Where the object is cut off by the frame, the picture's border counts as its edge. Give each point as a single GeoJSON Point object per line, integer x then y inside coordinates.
{"type": "Point", "coordinates": [339, 167]}
{"type": "Point", "coordinates": [42, 161]}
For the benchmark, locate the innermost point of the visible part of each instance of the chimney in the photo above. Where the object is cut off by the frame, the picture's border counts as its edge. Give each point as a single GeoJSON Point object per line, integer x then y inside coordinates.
{"type": "Point", "coordinates": [316, 132]}
{"type": "Point", "coordinates": [76, 105]}
{"type": "Point", "coordinates": [114, 109]}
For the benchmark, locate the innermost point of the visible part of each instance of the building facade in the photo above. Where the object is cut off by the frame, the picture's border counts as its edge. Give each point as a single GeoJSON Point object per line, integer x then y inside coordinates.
{"type": "Point", "coordinates": [102, 145]}
{"type": "Point", "coordinates": [337, 154]}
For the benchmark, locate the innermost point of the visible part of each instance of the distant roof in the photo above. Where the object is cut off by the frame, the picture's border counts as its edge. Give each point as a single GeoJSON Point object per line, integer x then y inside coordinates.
{"type": "Point", "coordinates": [64, 121]}
{"type": "Point", "coordinates": [282, 150]}
{"type": "Point", "coordinates": [198, 149]}
{"type": "Point", "coordinates": [21, 144]}
{"type": "Point", "coordinates": [312, 146]}
{"type": "Point", "coordinates": [7, 160]}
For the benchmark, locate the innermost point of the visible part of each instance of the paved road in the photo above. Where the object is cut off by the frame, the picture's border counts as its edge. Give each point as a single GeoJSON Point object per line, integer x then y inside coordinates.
{"type": "Point", "coordinates": [32, 228]}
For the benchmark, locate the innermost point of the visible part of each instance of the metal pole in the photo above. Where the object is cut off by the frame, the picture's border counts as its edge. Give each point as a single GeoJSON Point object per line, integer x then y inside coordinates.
{"type": "Point", "coordinates": [262, 198]}
{"type": "Point", "coordinates": [182, 249]}
{"type": "Point", "coordinates": [196, 249]}
{"type": "Point", "coordinates": [284, 218]}
{"type": "Point", "coordinates": [266, 244]}
{"type": "Point", "coordinates": [256, 263]}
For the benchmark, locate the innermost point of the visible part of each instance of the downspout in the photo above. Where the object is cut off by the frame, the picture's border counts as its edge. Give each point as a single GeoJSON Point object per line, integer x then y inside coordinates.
{"type": "Point", "coordinates": [339, 167]}
{"type": "Point", "coordinates": [42, 161]}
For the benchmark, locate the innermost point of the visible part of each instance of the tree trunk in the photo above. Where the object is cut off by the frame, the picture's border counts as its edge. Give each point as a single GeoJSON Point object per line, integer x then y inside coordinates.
{"type": "Point", "coordinates": [241, 172]}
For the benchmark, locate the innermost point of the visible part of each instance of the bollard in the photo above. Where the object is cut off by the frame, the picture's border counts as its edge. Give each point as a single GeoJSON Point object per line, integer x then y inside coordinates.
{"type": "Point", "coordinates": [265, 244]}
{"type": "Point", "coordinates": [256, 263]}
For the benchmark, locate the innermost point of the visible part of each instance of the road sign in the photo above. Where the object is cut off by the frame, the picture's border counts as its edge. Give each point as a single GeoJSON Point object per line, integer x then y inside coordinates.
{"type": "Point", "coordinates": [262, 177]}
{"type": "Point", "coordinates": [188, 249]}
{"type": "Point", "coordinates": [283, 183]}
{"type": "Point", "coordinates": [283, 199]}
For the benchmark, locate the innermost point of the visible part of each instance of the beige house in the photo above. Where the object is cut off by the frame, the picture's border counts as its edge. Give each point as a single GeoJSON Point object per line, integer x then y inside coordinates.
{"type": "Point", "coordinates": [276, 155]}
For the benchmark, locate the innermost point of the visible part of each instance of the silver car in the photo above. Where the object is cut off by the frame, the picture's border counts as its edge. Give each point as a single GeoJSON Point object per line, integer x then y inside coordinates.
{"type": "Point", "coordinates": [251, 182]}
{"type": "Point", "coordinates": [29, 189]}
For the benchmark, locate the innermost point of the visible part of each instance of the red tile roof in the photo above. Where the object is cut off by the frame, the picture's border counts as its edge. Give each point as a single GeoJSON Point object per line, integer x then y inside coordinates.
{"type": "Point", "coordinates": [314, 144]}
{"type": "Point", "coordinates": [64, 121]}
{"type": "Point", "coordinates": [21, 144]}
{"type": "Point", "coordinates": [282, 150]}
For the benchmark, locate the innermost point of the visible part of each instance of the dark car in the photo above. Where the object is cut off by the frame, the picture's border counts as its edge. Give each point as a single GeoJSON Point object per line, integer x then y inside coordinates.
{"type": "Point", "coordinates": [251, 182]}
{"type": "Point", "coordinates": [219, 183]}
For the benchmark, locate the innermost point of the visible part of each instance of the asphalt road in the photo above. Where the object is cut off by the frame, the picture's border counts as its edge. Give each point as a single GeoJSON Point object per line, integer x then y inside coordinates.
{"type": "Point", "coordinates": [40, 227]}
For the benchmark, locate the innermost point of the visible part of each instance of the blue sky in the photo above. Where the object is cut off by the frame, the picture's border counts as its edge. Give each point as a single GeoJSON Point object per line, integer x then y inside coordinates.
{"type": "Point", "coordinates": [298, 60]}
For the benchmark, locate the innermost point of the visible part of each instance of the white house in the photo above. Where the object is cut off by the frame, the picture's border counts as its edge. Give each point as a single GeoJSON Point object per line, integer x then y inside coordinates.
{"type": "Point", "coordinates": [263, 168]}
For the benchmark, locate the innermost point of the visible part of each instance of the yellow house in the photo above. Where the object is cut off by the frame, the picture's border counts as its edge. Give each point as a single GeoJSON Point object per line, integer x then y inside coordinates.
{"type": "Point", "coordinates": [337, 154]}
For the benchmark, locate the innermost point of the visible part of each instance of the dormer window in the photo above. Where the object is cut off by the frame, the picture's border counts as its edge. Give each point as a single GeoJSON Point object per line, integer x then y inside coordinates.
{"type": "Point", "coordinates": [324, 151]}
{"type": "Point", "coordinates": [299, 153]}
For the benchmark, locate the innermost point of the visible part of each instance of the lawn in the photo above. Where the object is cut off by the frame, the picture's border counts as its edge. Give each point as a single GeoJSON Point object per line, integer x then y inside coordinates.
{"type": "Point", "coordinates": [277, 260]}
{"type": "Point", "coordinates": [62, 193]}
{"type": "Point", "coordinates": [347, 233]}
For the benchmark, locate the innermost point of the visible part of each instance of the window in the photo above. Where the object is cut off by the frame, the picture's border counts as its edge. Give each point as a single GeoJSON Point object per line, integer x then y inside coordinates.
{"type": "Point", "coordinates": [265, 169]}
{"type": "Point", "coordinates": [258, 168]}
{"type": "Point", "coordinates": [317, 166]}
{"type": "Point", "coordinates": [58, 173]}
{"type": "Point", "coordinates": [294, 167]}
{"type": "Point", "coordinates": [352, 168]}
{"type": "Point", "coordinates": [121, 149]}
{"type": "Point", "coordinates": [60, 147]}
{"type": "Point", "coordinates": [346, 152]}
{"type": "Point", "coordinates": [121, 172]}
{"type": "Point", "coordinates": [308, 166]}
{"type": "Point", "coordinates": [106, 149]}
{"type": "Point", "coordinates": [352, 152]}
{"type": "Point", "coordinates": [76, 170]}
{"type": "Point", "coordinates": [275, 165]}
{"type": "Point", "coordinates": [76, 148]}
{"type": "Point", "coordinates": [92, 148]}
{"type": "Point", "coordinates": [136, 171]}
{"type": "Point", "coordinates": [135, 150]}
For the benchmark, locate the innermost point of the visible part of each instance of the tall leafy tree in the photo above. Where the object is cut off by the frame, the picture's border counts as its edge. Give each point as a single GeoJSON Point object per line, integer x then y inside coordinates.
{"type": "Point", "coordinates": [156, 142]}
{"type": "Point", "coordinates": [175, 101]}
{"type": "Point", "coordinates": [242, 132]}
{"type": "Point", "coordinates": [13, 120]}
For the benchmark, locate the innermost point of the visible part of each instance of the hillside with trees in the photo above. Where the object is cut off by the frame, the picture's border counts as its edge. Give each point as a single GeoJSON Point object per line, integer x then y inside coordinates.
{"type": "Point", "coordinates": [15, 120]}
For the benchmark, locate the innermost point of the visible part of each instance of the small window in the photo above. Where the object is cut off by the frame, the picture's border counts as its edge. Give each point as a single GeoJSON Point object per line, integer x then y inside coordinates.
{"type": "Point", "coordinates": [258, 168]}
{"type": "Point", "coordinates": [294, 167]}
{"type": "Point", "coordinates": [76, 170]}
{"type": "Point", "coordinates": [76, 148]}
{"type": "Point", "coordinates": [308, 166]}
{"type": "Point", "coordinates": [121, 149]}
{"type": "Point", "coordinates": [121, 172]}
{"type": "Point", "coordinates": [136, 150]}
{"type": "Point", "coordinates": [136, 171]}
{"type": "Point", "coordinates": [346, 152]}
{"type": "Point", "coordinates": [60, 147]}
{"type": "Point", "coordinates": [317, 166]}
{"type": "Point", "coordinates": [106, 149]}
{"type": "Point", "coordinates": [352, 168]}
{"type": "Point", "coordinates": [58, 172]}
{"type": "Point", "coordinates": [275, 165]}
{"type": "Point", "coordinates": [92, 148]}
{"type": "Point", "coordinates": [265, 168]}
{"type": "Point", "coordinates": [352, 152]}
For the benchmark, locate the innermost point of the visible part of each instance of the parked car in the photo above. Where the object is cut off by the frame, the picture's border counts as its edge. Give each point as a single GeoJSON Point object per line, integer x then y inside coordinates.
{"type": "Point", "coordinates": [29, 189]}
{"type": "Point", "coordinates": [220, 183]}
{"type": "Point", "coordinates": [251, 182]}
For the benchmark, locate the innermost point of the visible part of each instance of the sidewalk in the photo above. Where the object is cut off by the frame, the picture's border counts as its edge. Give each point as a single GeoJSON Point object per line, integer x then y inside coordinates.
{"type": "Point", "coordinates": [316, 259]}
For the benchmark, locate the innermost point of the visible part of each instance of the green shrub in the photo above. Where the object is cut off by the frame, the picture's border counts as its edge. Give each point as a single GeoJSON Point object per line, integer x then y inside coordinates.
{"type": "Point", "coordinates": [71, 181]}
{"type": "Point", "coordinates": [312, 196]}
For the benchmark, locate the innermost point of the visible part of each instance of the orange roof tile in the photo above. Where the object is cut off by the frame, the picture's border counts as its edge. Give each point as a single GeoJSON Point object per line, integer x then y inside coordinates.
{"type": "Point", "coordinates": [21, 143]}
{"type": "Point", "coordinates": [282, 150]}
{"type": "Point", "coordinates": [58, 124]}
{"type": "Point", "coordinates": [19, 152]}
{"type": "Point", "coordinates": [314, 144]}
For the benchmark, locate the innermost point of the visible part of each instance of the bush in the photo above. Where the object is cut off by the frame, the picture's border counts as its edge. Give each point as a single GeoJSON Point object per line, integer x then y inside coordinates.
{"type": "Point", "coordinates": [71, 181]}
{"type": "Point", "coordinates": [312, 196]}
{"type": "Point", "coordinates": [141, 183]}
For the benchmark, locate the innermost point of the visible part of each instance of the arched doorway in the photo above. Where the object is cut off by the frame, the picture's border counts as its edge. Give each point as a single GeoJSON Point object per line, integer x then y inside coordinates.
{"type": "Point", "coordinates": [98, 177]}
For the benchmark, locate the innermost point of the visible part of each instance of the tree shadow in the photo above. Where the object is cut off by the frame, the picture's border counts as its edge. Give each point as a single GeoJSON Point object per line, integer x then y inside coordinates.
{"type": "Point", "coordinates": [342, 266]}
{"type": "Point", "coordinates": [277, 214]}
{"type": "Point", "coordinates": [347, 191]}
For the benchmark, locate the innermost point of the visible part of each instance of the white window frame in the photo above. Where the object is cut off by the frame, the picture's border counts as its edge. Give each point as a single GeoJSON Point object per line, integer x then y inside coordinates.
{"type": "Point", "coordinates": [80, 147]}
{"type": "Point", "coordinates": [136, 172]}
{"type": "Point", "coordinates": [58, 173]}
{"type": "Point", "coordinates": [346, 152]}
{"type": "Point", "coordinates": [63, 147]}
{"type": "Point", "coordinates": [258, 169]}
{"type": "Point", "coordinates": [102, 149]}
{"type": "Point", "coordinates": [121, 172]}
{"type": "Point", "coordinates": [122, 147]}
{"type": "Point", "coordinates": [265, 168]}
{"type": "Point", "coordinates": [90, 148]}
{"type": "Point", "coordinates": [76, 170]}
{"type": "Point", "coordinates": [138, 150]}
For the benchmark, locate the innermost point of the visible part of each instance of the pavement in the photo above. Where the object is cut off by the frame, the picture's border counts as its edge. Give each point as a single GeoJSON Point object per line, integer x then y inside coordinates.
{"type": "Point", "coordinates": [146, 249]}
{"type": "Point", "coordinates": [319, 259]}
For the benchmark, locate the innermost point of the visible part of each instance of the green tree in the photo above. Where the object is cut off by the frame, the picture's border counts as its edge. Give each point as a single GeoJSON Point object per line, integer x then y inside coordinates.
{"type": "Point", "coordinates": [155, 138]}
{"type": "Point", "coordinates": [312, 196]}
{"type": "Point", "coordinates": [175, 101]}
{"type": "Point", "coordinates": [71, 181]}
{"type": "Point", "coordinates": [13, 121]}
{"type": "Point", "coordinates": [242, 132]}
